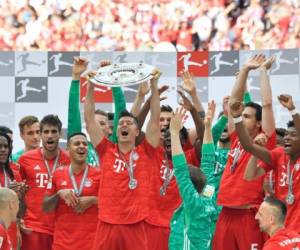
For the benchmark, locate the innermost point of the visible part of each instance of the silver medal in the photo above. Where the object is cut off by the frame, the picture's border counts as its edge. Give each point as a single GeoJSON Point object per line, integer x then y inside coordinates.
{"type": "Point", "coordinates": [290, 199]}
{"type": "Point", "coordinates": [132, 183]}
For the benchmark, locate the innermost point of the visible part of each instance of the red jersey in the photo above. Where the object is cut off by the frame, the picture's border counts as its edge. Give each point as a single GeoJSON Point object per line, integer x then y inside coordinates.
{"type": "Point", "coordinates": [284, 239]}
{"type": "Point", "coordinates": [5, 243]}
{"type": "Point", "coordinates": [234, 190]}
{"type": "Point", "coordinates": [162, 207]}
{"type": "Point", "coordinates": [71, 230]}
{"type": "Point", "coordinates": [33, 169]}
{"type": "Point", "coordinates": [118, 204]}
{"type": "Point", "coordinates": [279, 163]}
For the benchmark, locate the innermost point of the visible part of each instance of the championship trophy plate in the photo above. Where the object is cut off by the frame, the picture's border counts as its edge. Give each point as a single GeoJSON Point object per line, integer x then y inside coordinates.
{"type": "Point", "coordinates": [122, 74]}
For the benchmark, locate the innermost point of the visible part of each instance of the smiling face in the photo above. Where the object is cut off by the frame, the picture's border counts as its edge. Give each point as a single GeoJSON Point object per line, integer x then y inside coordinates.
{"type": "Point", "coordinates": [291, 141]}
{"type": "Point", "coordinates": [127, 129]}
{"type": "Point", "coordinates": [50, 137]}
{"type": "Point", "coordinates": [78, 147]}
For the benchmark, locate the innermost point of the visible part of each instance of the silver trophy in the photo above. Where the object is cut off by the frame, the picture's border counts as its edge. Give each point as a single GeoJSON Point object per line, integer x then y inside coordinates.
{"type": "Point", "coordinates": [123, 74]}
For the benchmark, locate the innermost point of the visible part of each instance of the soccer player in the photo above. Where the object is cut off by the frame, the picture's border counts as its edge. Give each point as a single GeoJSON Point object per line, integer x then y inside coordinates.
{"type": "Point", "coordinates": [271, 216]}
{"type": "Point", "coordinates": [165, 196]}
{"type": "Point", "coordinates": [9, 207]}
{"type": "Point", "coordinates": [284, 161]}
{"type": "Point", "coordinates": [80, 65]}
{"type": "Point", "coordinates": [125, 176]}
{"type": "Point", "coordinates": [238, 196]}
{"type": "Point", "coordinates": [73, 196]}
{"type": "Point", "coordinates": [36, 168]}
{"type": "Point", "coordinates": [10, 178]}
{"type": "Point", "coordinates": [30, 133]}
{"type": "Point", "coordinates": [191, 223]}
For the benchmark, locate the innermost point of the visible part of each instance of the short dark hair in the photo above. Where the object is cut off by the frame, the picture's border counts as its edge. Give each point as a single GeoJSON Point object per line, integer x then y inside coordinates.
{"type": "Point", "coordinates": [110, 116]}
{"type": "Point", "coordinates": [166, 108]}
{"type": "Point", "coordinates": [27, 121]}
{"type": "Point", "coordinates": [280, 131]}
{"type": "Point", "coordinates": [291, 124]}
{"type": "Point", "coordinates": [52, 120]}
{"type": "Point", "coordinates": [74, 134]}
{"type": "Point", "coordinates": [126, 113]}
{"type": "Point", "coordinates": [258, 109]}
{"type": "Point", "coordinates": [280, 207]}
{"type": "Point", "coordinates": [198, 178]}
{"type": "Point", "coordinates": [5, 130]}
{"type": "Point", "coordinates": [100, 112]}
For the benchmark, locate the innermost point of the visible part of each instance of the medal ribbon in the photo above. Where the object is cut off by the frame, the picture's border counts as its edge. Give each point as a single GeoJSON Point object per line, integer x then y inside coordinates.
{"type": "Point", "coordinates": [50, 173]}
{"type": "Point", "coordinates": [130, 166]}
{"type": "Point", "coordinates": [77, 191]}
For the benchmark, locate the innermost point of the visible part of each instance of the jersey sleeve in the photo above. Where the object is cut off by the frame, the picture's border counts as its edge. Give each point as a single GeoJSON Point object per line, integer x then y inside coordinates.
{"type": "Point", "coordinates": [218, 128]}
{"type": "Point", "coordinates": [120, 105]}
{"type": "Point", "coordinates": [74, 118]}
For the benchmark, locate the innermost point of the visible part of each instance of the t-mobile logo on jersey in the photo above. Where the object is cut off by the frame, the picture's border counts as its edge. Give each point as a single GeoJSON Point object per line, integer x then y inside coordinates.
{"type": "Point", "coordinates": [119, 165]}
{"type": "Point", "coordinates": [41, 179]}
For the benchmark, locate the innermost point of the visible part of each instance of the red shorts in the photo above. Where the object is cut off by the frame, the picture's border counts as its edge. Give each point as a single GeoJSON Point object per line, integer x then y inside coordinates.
{"type": "Point", "coordinates": [158, 237]}
{"type": "Point", "coordinates": [237, 229]}
{"type": "Point", "coordinates": [36, 241]}
{"type": "Point", "coordinates": [120, 237]}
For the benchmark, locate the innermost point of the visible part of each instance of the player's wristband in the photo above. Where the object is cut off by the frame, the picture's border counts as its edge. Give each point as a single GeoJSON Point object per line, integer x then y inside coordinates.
{"type": "Point", "coordinates": [237, 119]}
{"type": "Point", "coordinates": [293, 112]}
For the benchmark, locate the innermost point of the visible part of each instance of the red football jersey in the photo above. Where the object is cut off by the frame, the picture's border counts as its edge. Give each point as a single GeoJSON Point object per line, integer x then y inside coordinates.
{"type": "Point", "coordinates": [5, 243]}
{"type": "Point", "coordinates": [118, 204]}
{"type": "Point", "coordinates": [284, 239]}
{"type": "Point", "coordinates": [71, 230]}
{"type": "Point", "coordinates": [34, 171]}
{"type": "Point", "coordinates": [234, 190]}
{"type": "Point", "coordinates": [162, 207]}
{"type": "Point", "coordinates": [280, 165]}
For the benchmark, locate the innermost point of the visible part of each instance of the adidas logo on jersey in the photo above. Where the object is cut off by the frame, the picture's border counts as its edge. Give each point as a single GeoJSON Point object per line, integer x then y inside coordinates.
{"type": "Point", "coordinates": [64, 183]}
{"type": "Point", "coordinates": [37, 167]}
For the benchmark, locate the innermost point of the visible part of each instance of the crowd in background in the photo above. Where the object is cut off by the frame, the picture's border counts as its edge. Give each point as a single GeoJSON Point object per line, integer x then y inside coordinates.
{"type": "Point", "coordinates": [96, 25]}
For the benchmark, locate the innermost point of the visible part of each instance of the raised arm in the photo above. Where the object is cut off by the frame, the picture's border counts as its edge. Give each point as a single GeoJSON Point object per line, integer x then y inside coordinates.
{"type": "Point", "coordinates": [287, 102]}
{"type": "Point", "coordinates": [74, 118]}
{"type": "Point", "coordinates": [152, 130]}
{"type": "Point", "coordinates": [197, 110]}
{"type": "Point", "coordinates": [268, 120]}
{"type": "Point", "coordinates": [262, 153]}
{"type": "Point", "coordinates": [146, 107]}
{"type": "Point", "coordinates": [240, 84]}
{"type": "Point", "coordinates": [93, 127]}
{"type": "Point", "coordinates": [143, 90]}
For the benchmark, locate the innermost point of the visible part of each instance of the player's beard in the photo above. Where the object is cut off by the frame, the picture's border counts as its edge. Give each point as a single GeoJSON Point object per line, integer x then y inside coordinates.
{"type": "Point", "coordinates": [52, 147]}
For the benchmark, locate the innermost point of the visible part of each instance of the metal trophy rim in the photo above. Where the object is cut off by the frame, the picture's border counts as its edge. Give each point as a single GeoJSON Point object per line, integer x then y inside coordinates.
{"type": "Point", "coordinates": [107, 71]}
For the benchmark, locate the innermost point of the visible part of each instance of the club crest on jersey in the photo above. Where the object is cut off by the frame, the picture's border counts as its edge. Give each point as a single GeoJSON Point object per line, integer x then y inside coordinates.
{"type": "Point", "coordinates": [297, 166]}
{"type": "Point", "coordinates": [88, 183]}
